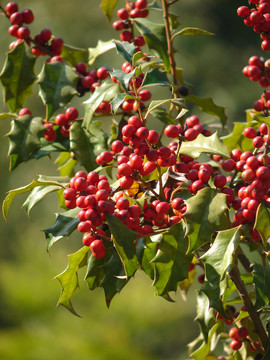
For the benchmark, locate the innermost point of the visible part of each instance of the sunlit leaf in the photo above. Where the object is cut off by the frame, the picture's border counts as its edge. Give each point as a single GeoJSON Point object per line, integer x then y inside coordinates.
{"type": "Point", "coordinates": [204, 144]}
{"type": "Point", "coordinates": [262, 222]}
{"type": "Point", "coordinates": [155, 77]}
{"type": "Point", "coordinates": [73, 55]}
{"type": "Point", "coordinates": [69, 277]}
{"type": "Point", "coordinates": [236, 139]}
{"type": "Point", "coordinates": [192, 31]}
{"type": "Point", "coordinates": [12, 193]}
{"type": "Point", "coordinates": [204, 216]}
{"type": "Point", "coordinates": [101, 48]}
{"type": "Point", "coordinates": [108, 7]}
{"type": "Point", "coordinates": [205, 348]}
{"type": "Point", "coordinates": [204, 314]}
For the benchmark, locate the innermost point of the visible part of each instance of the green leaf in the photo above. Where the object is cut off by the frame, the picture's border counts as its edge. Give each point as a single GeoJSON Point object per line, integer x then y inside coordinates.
{"type": "Point", "coordinates": [204, 314]}
{"type": "Point", "coordinates": [12, 193]}
{"type": "Point", "coordinates": [192, 31]}
{"type": "Point", "coordinates": [24, 137]}
{"type": "Point", "coordinates": [204, 216]}
{"type": "Point", "coordinates": [64, 225]}
{"type": "Point", "coordinates": [262, 222]}
{"type": "Point", "coordinates": [73, 55]}
{"type": "Point", "coordinates": [125, 49]}
{"type": "Point", "coordinates": [155, 77]}
{"type": "Point", "coordinates": [87, 144]}
{"type": "Point", "coordinates": [4, 116]}
{"type": "Point", "coordinates": [101, 48]}
{"type": "Point", "coordinates": [218, 261]}
{"type": "Point", "coordinates": [146, 251]}
{"type": "Point", "coordinates": [207, 105]}
{"type": "Point", "coordinates": [69, 277]}
{"type": "Point", "coordinates": [18, 76]}
{"type": "Point", "coordinates": [205, 348]}
{"type": "Point", "coordinates": [261, 279]}
{"type": "Point", "coordinates": [236, 139]}
{"type": "Point", "coordinates": [221, 255]}
{"type": "Point", "coordinates": [108, 7]}
{"type": "Point", "coordinates": [57, 83]}
{"type": "Point", "coordinates": [124, 241]}
{"type": "Point", "coordinates": [204, 144]}
{"type": "Point", "coordinates": [156, 104]}
{"type": "Point", "coordinates": [108, 91]}
{"type": "Point", "coordinates": [171, 262]}
{"type": "Point", "coordinates": [107, 273]}
{"type": "Point", "coordinates": [37, 194]}
{"type": "Point", "coordinates": [123, 78]}
{"type": "Point", "coordinates": [155, 38]}
{"type": "Point", "coordinates": [117, 101]}
{"type": "Point", "coordinates": [163, 116]}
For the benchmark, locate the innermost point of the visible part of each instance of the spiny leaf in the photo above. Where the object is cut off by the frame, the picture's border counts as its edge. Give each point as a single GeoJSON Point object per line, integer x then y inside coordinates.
{"type": "Point", "coordinates": [125, 49]}
{"type": "Point", "coordinates": [261, 279]}
{"type": "Point", "coordinates": [57, 83]}
{"type": "Point", "coordinates": [207, 105]}
{"type": "Point", "coordinates": [107, 91]}
{"type": "Point", "coordinates": [218, 261]}
{"type": "Point", "coordinates": [262, 222]}
{"type": "Point", "coordinates": [236, 139]}
{"type": "Point", "coordinates": [156, 104]}
{"type": "Point", "coordinates": [205, 348]}
{"type": "Point", "coordinates": [124, 241]}
{"type": "Point", "coordinates": [204, 216]}
{"type": "Point", "coordinates": [146, 251]}
{"type": "Point", "coordinates": [64, 225]}
{"type": "Point", "coordinates": [12, 193]}
{"type": "Point", "coordinates": [108, 7]}
{"type": "Point", "coordinates": [69, 277]}
{"type": "Point", "coordinates": [24, 136]}
{"type": "Point", "coordinates": [171, 262]}
{"type": "Point", "coordinates": [163, 116]}
{"type": "Point", "coordinates": [205, 144]}
{"type": "Point", "coordinates": [155, 38]}
{"type": "Point", "coordinates": [204, 314]}
{"type": "Point", "coordinates": [123, 78]}
{"type": "Point", "coordinates": [107, 273]}
{"type": "Point", "coordinates": [101, 48]}
{"type": "Point", "coordinates": [155, 77]}
{"type": "Point", "coordinates": [73, 55]}
{"type": "Point", "coordinates": [7, 115]}
{"type": "Point", "coordinates": [87, 144]}
{"type": "Point", "coordinates": [18, 76]}
{"type": "Point", "coordinates": [192, 31]}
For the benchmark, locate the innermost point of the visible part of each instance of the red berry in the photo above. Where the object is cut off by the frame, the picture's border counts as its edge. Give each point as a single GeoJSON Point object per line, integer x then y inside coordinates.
{"type": "Point", "coordinates": [172, 131]}
{"type": "Point", "coordinates": [102, 73]}
{"type": "Point", "coordinates": [25, 111]}
{"type": "Point", "coordinates": [233, 333]}
{"type": "Point", "coordinates": [250, 133]}
{"type": "Point", "coordinates": [97, 248]}
{"type": "Point", "coordinates": [243, 11]}
{"type": "Point", "coordinates": [71, 113]}
{"type": "Point", "coordinates": [28, 16]}
{"type": "Point", "coordinates": [123, 14]}
{"type": "Point", "coordinates": [236, 344]}
{"type": "Point", "coordinates": [220, 181]}
{"type": "Point", "coordinates": [11, 8]}
{"type": "Point", "coordinates": [140, 4]}
{"type": "Point", "coordinates": [190, 134]}
{"type": "Point", "coordinates": [13, 30]}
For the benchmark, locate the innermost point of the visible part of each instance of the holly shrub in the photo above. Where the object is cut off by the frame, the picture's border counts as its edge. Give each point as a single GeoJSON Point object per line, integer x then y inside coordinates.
{"type": "Point", "coordinates": [147, 184]}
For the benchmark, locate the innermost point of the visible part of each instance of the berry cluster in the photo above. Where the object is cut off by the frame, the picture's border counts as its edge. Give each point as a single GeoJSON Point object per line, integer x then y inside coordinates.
{"type": "Point", "coordinates": [62, 122]}
{"type": "Point", "coordinates": [45, 45]}
{"type": "Point", "coordinates": [132, 10]}
{"type": "Point", "coordinates": [258, 70]}
{"type": "Point", "coordinates": [258, 16]}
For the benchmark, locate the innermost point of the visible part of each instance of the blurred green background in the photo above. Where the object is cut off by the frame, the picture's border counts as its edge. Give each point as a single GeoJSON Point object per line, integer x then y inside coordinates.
{"type": "Point", "coordinates": [138, 324]}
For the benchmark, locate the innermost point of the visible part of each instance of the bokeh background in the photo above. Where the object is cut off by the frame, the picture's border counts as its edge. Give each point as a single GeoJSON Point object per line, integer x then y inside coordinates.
{"type": "Point", "coordinates": [138, 323]}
